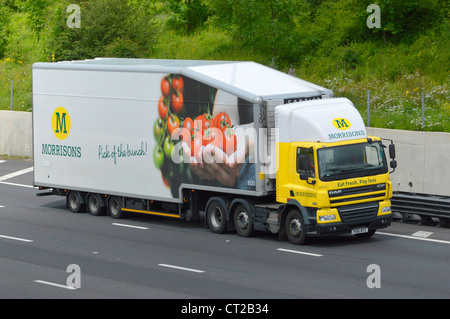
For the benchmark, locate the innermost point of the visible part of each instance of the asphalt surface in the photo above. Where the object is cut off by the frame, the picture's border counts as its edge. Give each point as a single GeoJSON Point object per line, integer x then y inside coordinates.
{"type": "Point", "coordinates": [41, 243]}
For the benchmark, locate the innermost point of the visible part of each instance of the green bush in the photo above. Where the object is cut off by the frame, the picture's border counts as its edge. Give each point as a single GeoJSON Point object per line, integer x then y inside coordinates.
{"type": "Point", "coordinates": [107, 27]}
{"type": "Point", "coordinates": [4, 22]}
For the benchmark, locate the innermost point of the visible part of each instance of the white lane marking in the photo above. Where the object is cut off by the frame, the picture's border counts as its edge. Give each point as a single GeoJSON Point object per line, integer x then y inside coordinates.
{"type": "Point", "coordinates": [422, 234]}
{"type": "Point", "coordinates": [416, 238]}
{"type": "Point", "coordinates": [16, 238]}
{"type": "Point", "coordinates": [2, 161]}
{"type": "Point", "coordinates": [181, 268]}
{"type": "Point", "coordinates": [53, 284]}
{"type": "Point", "coordinates": [15, 174]}
{"type": "Point", "coordinates": [2, 206]}
{"type": "Point", "coordinates": [18, 185]}
{"type": "Point", "coordinates": [129, 226]}
{"type": "Point", "coordinates": [299, 252]}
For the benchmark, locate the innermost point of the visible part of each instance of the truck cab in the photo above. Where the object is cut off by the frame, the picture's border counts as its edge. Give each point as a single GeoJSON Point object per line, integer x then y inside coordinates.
{"type": "Point", "coordinates": [332, 177]}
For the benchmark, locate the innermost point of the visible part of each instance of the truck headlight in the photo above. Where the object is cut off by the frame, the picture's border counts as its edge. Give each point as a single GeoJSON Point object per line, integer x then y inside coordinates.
{"type": "Point", "coordinates": [386, 209]}
{"type": "Point", "coordinates": [325, 218]}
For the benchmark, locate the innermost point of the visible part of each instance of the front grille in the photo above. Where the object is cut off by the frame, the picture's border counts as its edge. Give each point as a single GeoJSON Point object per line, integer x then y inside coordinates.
{"type": "Point", "coordinates": [346, 195]}
{"type": "Point", "coordinates": [360, 213]}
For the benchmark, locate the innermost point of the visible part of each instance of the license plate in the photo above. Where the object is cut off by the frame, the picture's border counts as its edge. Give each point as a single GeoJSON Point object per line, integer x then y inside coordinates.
{"type": "Point", "coordinates": [360, 231]}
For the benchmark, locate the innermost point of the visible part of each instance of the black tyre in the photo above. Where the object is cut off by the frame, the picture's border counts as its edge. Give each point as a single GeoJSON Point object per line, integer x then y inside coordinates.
{"type": "Point", "coordinates": [115, 207]}
{"type": "Point", "coordinates": [216, 217]}
{"type": "Point", "coordinates": [295, 227]}
{"type": "Point", "coordinates": [95, 205]}
{"type": "Point", "coordinates": [243, 222]}
{"type": "Point", "coordinates": [75, 202]}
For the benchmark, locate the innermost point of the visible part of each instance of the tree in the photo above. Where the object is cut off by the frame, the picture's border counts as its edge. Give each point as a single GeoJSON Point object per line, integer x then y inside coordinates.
{"type": "Point", "coordinates": [268, 26]}
{"type": "Point", "coordinates": [108, 27]}
{"type": "Point", "coordinates": [4, 21]}
{"type": "Point", "coordinates": [36, 10]}
{"type": "Point", "coordinates": [405, 19]}
{"type": "Point", "coordinates": [187, 15]}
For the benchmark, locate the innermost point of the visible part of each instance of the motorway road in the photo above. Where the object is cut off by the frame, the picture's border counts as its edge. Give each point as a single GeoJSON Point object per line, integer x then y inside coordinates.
{"type": "Point", "coordinates": [154, 257]}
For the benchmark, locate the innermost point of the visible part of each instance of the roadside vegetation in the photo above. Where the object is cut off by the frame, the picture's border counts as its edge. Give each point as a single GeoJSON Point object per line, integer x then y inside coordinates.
{"type": "Point", "coordinates": [325, 42]}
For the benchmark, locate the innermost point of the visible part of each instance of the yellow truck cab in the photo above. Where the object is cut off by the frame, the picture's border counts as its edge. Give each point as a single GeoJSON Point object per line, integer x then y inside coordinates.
{"type": "Point", "coordinates": [337, 178]}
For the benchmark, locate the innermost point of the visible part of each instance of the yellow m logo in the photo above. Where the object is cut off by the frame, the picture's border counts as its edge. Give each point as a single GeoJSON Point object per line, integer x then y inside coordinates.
{"type": "Point", "coordinates": [342, 124]}
{"type": "Point", "coordinates": [61, 123]}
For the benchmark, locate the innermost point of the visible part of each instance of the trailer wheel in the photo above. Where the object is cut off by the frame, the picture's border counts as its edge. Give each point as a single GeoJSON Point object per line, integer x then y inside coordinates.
{"type": "Point", "coordinates": [216, 217]}
{"type": "Point", "coordinates": [95, 205]}
{"type": "Point", "coordinates": [242, 221]}
{"type": "Point", "coordinates": [75, 202]}
{"type": "Point", "coordinates": [295, 227]}
{"type": "Point", "coordinates": [115, 208]}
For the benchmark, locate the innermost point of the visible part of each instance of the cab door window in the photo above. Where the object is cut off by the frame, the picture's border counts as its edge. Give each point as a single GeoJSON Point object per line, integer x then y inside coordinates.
{"type": "Point", "coordinates": [310, 170]}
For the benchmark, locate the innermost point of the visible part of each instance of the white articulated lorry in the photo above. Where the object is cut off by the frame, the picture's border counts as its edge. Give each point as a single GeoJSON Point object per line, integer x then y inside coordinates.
{"type": "Point", "coordinates": [248, 147]}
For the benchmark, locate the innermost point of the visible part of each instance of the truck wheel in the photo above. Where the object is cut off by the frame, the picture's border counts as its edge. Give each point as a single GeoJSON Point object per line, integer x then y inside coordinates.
{"type": "Point", "coordinates": [94, 205]}
{"type": "Point", "coordinates": [242, 221]}
{"type": "Point", "coordinates": [115, 208]}
{"type": "Point", "coordinates": [216, 217]}
{"type": "Point", "coordinates": [295, 227]}
{"type": "Point", "coordinates": [75, 202]}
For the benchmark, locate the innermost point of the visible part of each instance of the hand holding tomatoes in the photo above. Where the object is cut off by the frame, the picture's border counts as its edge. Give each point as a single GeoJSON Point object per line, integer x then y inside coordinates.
{"type": "Point", "coordinates": [215, 131]}
{"type": "Point", "coordinates": [209, 141]}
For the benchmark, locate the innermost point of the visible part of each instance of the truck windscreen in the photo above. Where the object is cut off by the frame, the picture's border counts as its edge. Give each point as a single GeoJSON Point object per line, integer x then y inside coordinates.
{"type": "Point", "coordinates": [350, 161]}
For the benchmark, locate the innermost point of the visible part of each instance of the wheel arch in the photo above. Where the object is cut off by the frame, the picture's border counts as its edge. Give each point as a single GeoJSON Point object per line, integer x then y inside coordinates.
{"type": "Point", "coordinates": [293, 204]}
{"type": "Point", "coordinates": [225, 203]}
{"type": "Point", "coordinates": [247, 203]}
{"type": "Point", "coordinates": [82, 196]}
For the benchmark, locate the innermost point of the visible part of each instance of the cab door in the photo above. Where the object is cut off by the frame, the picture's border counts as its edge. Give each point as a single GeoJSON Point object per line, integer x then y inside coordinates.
{"type": "Point", "coordinates": [304, 183]}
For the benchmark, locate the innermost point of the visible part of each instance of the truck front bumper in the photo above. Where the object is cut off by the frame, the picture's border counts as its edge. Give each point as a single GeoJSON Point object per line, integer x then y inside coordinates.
{"type": "Point", "coordinates": [330, 229]}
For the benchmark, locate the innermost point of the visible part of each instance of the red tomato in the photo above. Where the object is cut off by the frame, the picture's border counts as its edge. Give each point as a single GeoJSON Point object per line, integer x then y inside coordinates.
{"type": "Point", "coordinates": [198, 123]}
{"type": "Point", "coordinates": [189, 125]}
{"type": "Point", "coordinates": [178, 84]}
{"type": "Point", "coordinates": [162, 108]}
{"type": "Point", "coordinates": [221, 120]}
{"type": "Point", "coordinates": [172, 123]}
{"type": "Point", "coordinates": [203, 122]}
{"type": "Point", "coordinates": [213, 136]}
{"type": "Point", "coordinates": [165, 180]}
{"type": "Point", "coordinates": [196, 147]}
{"type": "Point", "coordinates": [165, 86]}
{"type": "Point", "coordinates": [176, 102]}
{"type": "Point", "coordinates": [229, 141]}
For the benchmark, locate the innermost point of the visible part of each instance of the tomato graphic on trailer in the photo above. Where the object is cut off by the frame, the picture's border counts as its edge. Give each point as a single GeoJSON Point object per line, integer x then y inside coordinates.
{"type": "Point", "coordinates": [201, 120]}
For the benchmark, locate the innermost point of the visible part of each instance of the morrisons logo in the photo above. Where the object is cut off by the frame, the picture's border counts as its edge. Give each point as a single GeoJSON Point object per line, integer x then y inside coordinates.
{"type": "Point", "coordinates": [341, 124]}
{"type": "Point", "coordinates": [61, 123]}
{"type": "Point", "coordinates": [61, 150]}
{"type": "Point", "coordinates": [336, 136]}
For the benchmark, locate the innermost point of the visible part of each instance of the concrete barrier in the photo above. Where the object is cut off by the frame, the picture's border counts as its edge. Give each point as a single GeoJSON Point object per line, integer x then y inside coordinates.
{"type": "Point", "coordinates": [16, 133]}
{"type": "Point", "coordinates": [423, 160]}
{"type": "Point", "coordinates": [423, 157]}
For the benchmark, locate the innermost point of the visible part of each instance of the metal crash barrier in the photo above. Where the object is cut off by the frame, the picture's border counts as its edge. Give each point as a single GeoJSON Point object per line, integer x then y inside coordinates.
{"type": "Point", "coordinates": [426, 207]}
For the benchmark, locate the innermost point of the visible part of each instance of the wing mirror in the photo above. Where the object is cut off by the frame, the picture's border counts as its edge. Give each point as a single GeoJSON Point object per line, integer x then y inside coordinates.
{"type": "Point", "coordinates": [392, 156]}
